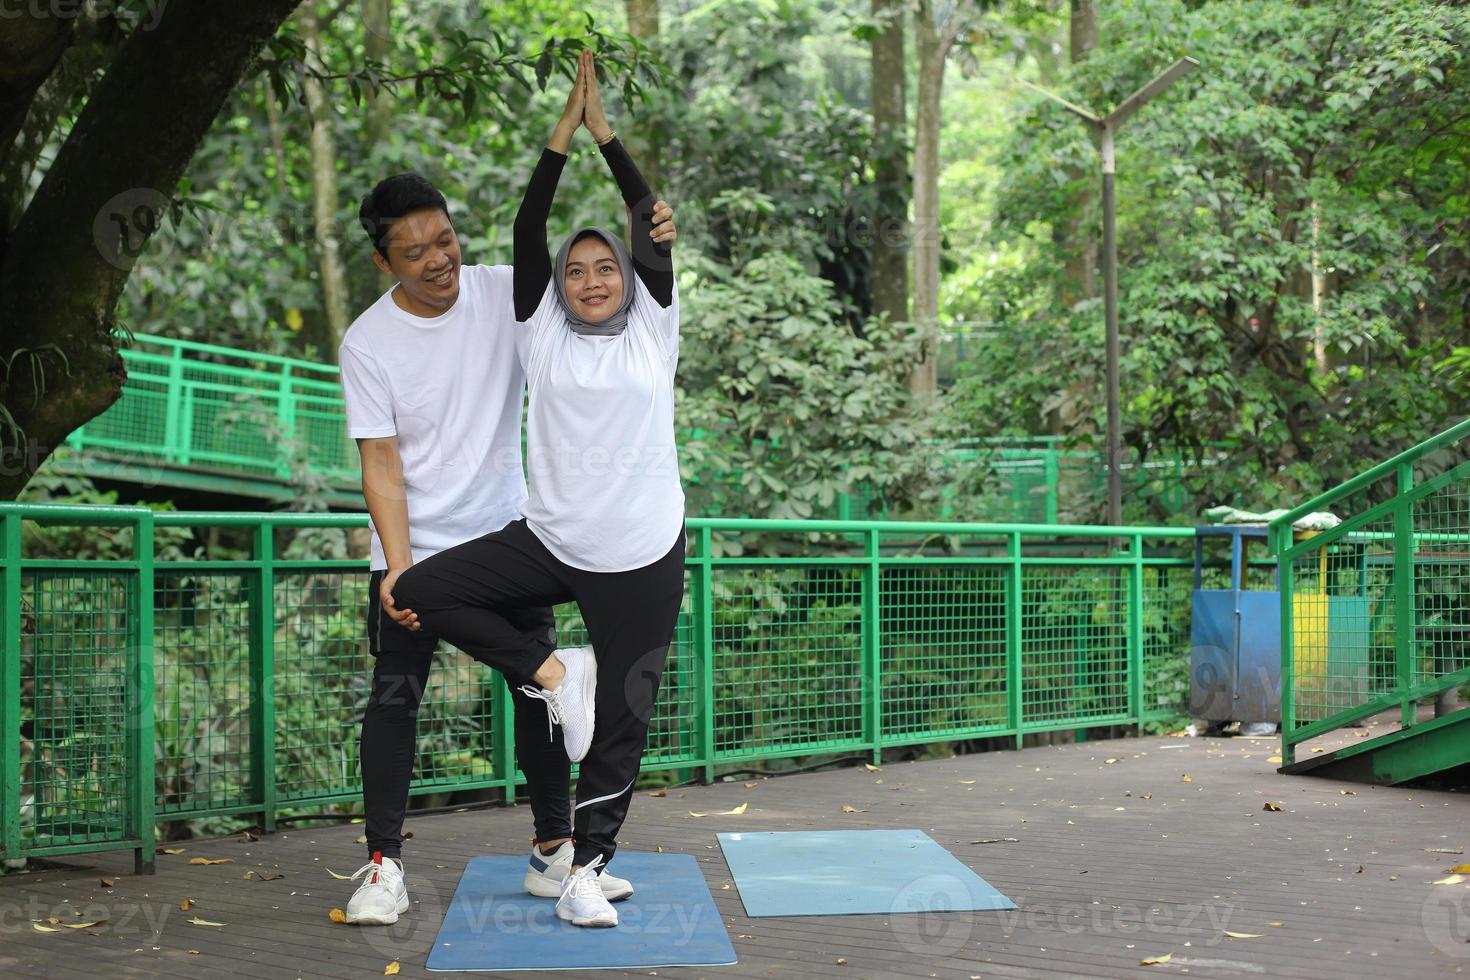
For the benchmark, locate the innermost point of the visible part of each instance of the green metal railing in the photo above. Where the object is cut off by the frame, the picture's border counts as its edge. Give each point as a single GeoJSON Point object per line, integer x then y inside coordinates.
{"type": "Point", "coordinates": [190, 408]}
{"type": "Point", "coordinates": [1375, 613]}
{"type": "Point", "coordinates": [205, 417]}
{"type": "Point", "coordinates": [199, 666]}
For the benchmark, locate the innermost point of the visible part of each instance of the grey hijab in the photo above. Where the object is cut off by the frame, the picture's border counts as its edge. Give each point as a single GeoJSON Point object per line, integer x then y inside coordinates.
{"type": "Point", "coordinates": [618, 321]}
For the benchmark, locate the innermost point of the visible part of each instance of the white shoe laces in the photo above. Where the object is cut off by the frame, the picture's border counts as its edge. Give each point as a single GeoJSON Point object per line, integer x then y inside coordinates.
{"type": "Point", "coordinates": [556, 712]}
{"type": "Point", "coordinates": [388, 867]}
{"type": "Point", "coordinates": [584, 883]}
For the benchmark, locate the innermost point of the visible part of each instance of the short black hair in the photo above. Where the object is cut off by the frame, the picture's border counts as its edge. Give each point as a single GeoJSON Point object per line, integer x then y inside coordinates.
{"type": "Point", "coordinates": [393, 198]}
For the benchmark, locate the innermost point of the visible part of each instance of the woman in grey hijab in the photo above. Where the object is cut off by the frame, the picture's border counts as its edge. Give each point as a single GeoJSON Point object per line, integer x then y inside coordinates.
{"type": "Point", "coordinates": [604, 522]}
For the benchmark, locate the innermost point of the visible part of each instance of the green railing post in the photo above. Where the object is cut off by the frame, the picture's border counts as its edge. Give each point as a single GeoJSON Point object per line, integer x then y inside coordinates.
{"type": "Point", "coordinates": [139, 699]}
{"type": "Point", "coordinates": [1286, 585]}
{"type": "Point", "coordinates": [186, 425]}
{"type": "Point", "coordinates": [287, 414]}
{"type": "Point", "coordinates": [502, 741]}
{"type": "Point", "coordinates": [173, 406]}
{"type": "Point", "coordinates": [1013, 636]}
{"type": "Point", "coordinates": [1051, 474]}
{"type": "Point", "coordinates": [262, 614]}
{"type": "Point", "coordinates": [1135, 631]}
{"type": "Point", "coordinates": [1403, 588]}
{"type": "Point", "coordinates": [704, 628]}
{"type": "Point", "coordinates": [10, 781]}
{"type": "Point", "coordinates": [872, 656]}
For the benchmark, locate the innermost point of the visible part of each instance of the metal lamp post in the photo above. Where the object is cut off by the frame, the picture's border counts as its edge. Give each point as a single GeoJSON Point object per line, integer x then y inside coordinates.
{"type": "Point", "coordinates": [1106, 128]}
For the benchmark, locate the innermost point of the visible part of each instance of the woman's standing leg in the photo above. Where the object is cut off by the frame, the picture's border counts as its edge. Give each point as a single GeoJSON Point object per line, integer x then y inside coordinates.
{"type": "Point", "coordinates": [630, 620]}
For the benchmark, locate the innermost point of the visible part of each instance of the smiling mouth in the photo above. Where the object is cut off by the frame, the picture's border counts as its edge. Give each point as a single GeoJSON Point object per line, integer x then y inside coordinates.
{"type": "Point", "coordinates": [443, 279]}
{"type": "Point", "coordinates": [594, 300]}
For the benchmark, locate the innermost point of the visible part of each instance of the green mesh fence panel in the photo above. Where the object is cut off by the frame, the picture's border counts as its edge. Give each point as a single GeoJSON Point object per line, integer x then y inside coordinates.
{"type": "Point", "coordinates": [1167, 599]}
{"type": "Point", "coordinates": [1441, 525]}
{"type": "Point", "coordinates": [74, 654]}
{"type": "Point", "coordinates": [787, 660]}
{"type": "Point", "coordinates": [1074, 651]}
{"type": "Point", "coordinates": [943, 649]}
{"type": "Point", "coordinates": [202, 715]}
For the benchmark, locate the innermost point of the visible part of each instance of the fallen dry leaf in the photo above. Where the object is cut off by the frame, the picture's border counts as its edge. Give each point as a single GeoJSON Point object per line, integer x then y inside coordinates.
{"type": "Point", "coordinates": [1242, 935]}
{"type": "Point", "coordinates": [391, 970]}
{"type": "Point", "coordinates": [106, 882]}
{"type": "Point", "coordinates": [1273, 807]}
{"type": "Point", "coordinates": [337, 915]}
{"type": "Point", "coordinates": [967, 782]}
{"type": "Point", "coordinates": [851, 809]}
{"type": "Point", "coordinates": [1188, 779]}
{"type": "Point", "coordinates": [751, 785]}
{"type": "Point", "coordinates": [362, 838]}
{"type": "Point", "coordinates": [1348, 792]}
{"type": "Point", "coordinates": [1443, 850]}
{"type": "Point", "coordinates": [1360, 870]}
{"type": "Point", "coordinates": [1156, 960]}
{"type": "Point", "coordinates": [1274, 758]}
{"type": "Point", "coordinates": [186, 905]}
{"type": "Point", "coordinates": [1459, 869]}
{"type": "Point", "coordinates": [1146, 796]}
{"type": "Point", "coordinates": [86, 925]}
{"type": "Point", "coordinates": [192, 952]}
{"type": "Point", "coordinates": [872, 768]}
{"type": "Point", "coordinates": [1451, 880]}
{"type": "Point", "coordinates": [172, 850]}
{"type": "Point", "coordinates": [1109, 762]}
{"type": "Point", "coordinates": [248, 875]}
{"type": "Point", "coordinates": [660, 792]}
{"type": "Point", "coordinates": [998, 840]}
{"type": "Point", "coordinates": [40, 928]}
{"type": "Point", "coordinates": [1319, 749]}
{"type": "Point", "coordinates": [268, 875]}
{"type": "Point", "coordinates": [339, 877]}
{"type": "Point", "coordinates": [249, 838]}
{"type": "Point", "coordinates": [211, 860]}
{"type": "Point", "coordinates": [723, 813]}
{"type": "Point", "coordinates": [196, 921]}
{"type": "Point", "coordinates": [1278, 924]}
{"type": "Point", "coordinates": [841, 961]}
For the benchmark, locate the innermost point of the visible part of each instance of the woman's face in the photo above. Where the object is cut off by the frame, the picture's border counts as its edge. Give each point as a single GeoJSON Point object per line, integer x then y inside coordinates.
{"type": "Point", "coordinates": [594, 281]}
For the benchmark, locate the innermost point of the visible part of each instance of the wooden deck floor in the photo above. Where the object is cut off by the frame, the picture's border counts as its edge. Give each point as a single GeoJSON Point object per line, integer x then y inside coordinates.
{"type": "Point", "coordinates": [1117, 858]}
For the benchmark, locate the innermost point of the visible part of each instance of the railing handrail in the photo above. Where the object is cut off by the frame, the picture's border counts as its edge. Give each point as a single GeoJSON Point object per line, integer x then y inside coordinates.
{"type": "Point", "coordinates": [1386, 468]}
{"type": "Point", "coordinates": [234, 352]}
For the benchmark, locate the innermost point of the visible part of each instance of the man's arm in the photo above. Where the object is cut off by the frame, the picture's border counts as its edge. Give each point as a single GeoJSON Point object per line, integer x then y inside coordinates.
{"type": "Point", "coordinates": [387, 503]}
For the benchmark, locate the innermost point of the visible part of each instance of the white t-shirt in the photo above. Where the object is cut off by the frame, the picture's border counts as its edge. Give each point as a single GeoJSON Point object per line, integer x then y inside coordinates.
{"type": "Point", "coordinates": [605, 491]}
{"type": "Point", "coordinates": [450, 388]}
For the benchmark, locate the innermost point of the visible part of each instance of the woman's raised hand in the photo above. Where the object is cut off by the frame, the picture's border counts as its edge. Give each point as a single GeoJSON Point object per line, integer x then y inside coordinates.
{"type": "Point", "coordinates": [594, 116]}
{"type": "Point", "coordinates": [571, 116]}
{"type": "Point", "coordinates": [577, 98]}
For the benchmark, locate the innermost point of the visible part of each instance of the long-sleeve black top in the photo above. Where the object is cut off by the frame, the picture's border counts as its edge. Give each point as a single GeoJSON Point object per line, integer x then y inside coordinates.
{"type": "Point", "coordinates": [532, 258]}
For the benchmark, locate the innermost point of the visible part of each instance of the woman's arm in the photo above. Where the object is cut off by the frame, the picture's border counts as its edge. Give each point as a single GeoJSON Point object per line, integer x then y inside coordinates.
{"type": "Point", "coordinates": [651, 258]}
{"type": "Point", "coordinates": [531, 257]}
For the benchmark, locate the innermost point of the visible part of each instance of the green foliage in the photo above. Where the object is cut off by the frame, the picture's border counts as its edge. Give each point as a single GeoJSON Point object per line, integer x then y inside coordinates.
{"type": "Point", "coordinates": [1324, 135]}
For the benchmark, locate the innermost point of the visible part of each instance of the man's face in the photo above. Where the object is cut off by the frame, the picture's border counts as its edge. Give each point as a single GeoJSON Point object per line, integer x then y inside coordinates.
{"type": "Point", "coordinates": [423, 253]}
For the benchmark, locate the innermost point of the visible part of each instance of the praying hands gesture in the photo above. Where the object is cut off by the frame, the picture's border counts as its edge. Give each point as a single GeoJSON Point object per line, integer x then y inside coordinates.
{"type": "Point", "coordinates": [584, 108]}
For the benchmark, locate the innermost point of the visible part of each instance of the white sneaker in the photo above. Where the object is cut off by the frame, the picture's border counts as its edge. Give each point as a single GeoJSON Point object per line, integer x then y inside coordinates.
{"type": "Point", "coordinates": [573, 705]}
{"type": "Point", "coordinates": [546, 872]}
{"type": "Point", "coordinates": [582, 901]}
{"type": "Point", "coordinates": [382, 897]}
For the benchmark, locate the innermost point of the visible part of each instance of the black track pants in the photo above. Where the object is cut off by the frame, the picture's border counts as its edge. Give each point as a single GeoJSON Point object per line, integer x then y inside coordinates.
{"type": "Point", "coordinates": [467, 594]}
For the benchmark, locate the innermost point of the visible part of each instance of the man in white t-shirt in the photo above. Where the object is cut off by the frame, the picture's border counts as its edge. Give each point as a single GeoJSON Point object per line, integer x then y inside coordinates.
{"type": "Point", "coordinates": [433, 382]}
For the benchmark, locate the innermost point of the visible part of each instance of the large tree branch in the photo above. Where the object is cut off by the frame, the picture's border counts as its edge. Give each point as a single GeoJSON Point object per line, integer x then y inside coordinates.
{"type": "Point", "coordinates": [30, 46]}
{"type": "Point", "coordinates": [73, 248]}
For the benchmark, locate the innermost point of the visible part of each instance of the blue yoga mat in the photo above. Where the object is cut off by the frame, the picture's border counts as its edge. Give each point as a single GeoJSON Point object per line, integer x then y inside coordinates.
{"type": "Point", "coordinates": [670, 920]}
{"type": "Point", "coordinates": [852, 872]}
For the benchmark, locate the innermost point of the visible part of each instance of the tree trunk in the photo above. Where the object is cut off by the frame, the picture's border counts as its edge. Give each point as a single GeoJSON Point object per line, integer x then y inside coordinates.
{"type": "Point", "coordinates": [933, 42]}
{"type": "Point", "coordinates": [1077, 238]}
{"type": "Point", "coordinates": [377, 44]}
{"type": "Point", "coordinates": [324, 199]}
{"type": "Point", "coordinates": [890, 166]}
{"type": "Point", "coordinates": [642, 142]}
{"type": "Point", "coordinates": [102, 197]}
